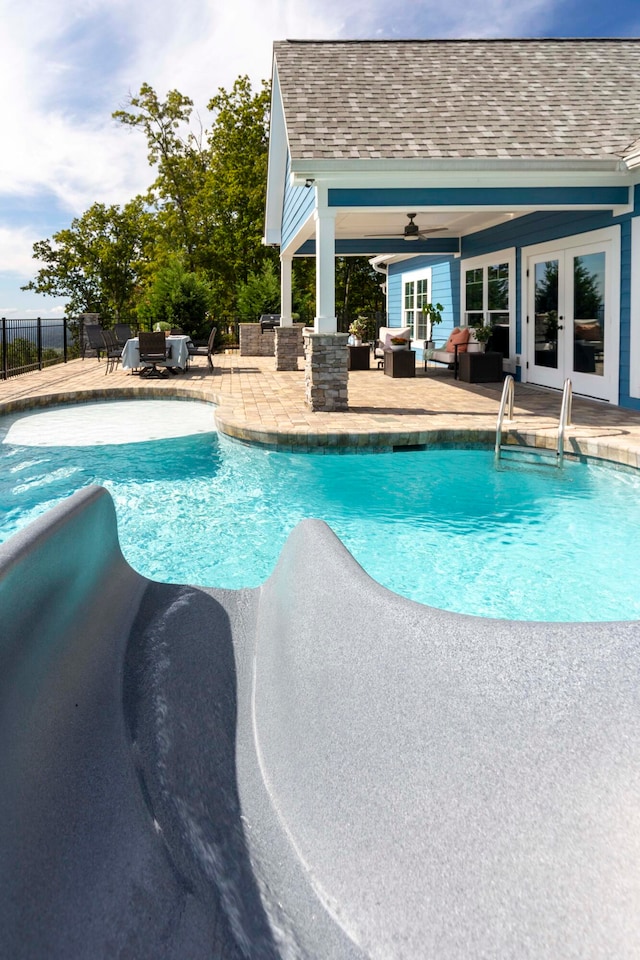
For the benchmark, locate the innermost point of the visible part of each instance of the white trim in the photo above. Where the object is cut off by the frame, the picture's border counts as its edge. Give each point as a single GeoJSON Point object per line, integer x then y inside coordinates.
{"type": "Point", "coordinates": [610, 236]}
{"type": "Point", "coordinates": [634, 334]}
{"type": "Point", "coordinates": [489, 260]}
{"type": "Point", "coordinates": [472, 172]}
{"type": "Point", "coordinates": [277, 164]}
{"type": "Point", "coordinates": [413, 276]}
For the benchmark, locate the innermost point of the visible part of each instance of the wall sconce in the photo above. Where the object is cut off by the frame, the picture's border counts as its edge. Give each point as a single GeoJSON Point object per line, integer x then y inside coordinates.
{"type": "Point", "coordinates": [309, 182]}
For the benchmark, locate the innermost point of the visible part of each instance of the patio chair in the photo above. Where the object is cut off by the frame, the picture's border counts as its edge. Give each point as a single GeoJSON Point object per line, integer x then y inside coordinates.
{"type": "Point", "coordinates": [123, 333]}
{"type": "Point", "coordinates": [153, 350]}
{"type": "Point", "coordinates": [460, 340]}
{"type": "Point", "coordinates": [113, 350]}
{"type": "Point", "coordinates": [204, 350]}
{"type": "Point", "coordinates": [92, 339]}
{"type": "Point", "coordinates": [384, 341]}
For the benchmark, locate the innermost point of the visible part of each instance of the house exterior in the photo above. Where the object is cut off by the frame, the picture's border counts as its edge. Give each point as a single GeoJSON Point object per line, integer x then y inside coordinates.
{"type": "Point", "coordinates": [518, 161]}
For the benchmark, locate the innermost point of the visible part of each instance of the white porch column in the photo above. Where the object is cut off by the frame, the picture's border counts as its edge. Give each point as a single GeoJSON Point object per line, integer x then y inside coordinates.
{"type": "Point", "coordinates": [325, 320]}
{"type": "Point", "coordinates": [286, 264]}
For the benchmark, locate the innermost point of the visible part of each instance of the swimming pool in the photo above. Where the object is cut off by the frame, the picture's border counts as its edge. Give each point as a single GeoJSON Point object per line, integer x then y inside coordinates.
{"type": "Point", "coordinates": [443, 527]}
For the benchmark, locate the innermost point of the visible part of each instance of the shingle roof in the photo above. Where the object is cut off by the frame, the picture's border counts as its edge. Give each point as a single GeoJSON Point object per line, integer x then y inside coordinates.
{"type": "Point", "coordinates": [510, 99]}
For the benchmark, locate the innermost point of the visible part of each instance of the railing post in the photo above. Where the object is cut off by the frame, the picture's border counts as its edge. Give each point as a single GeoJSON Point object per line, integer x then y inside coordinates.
{"type": "Point", "coordinates": [64, 339]}
{"type": "Point", "coordinates": [39, 341]}
{"type": "Point", "coordinates": [5, 364]}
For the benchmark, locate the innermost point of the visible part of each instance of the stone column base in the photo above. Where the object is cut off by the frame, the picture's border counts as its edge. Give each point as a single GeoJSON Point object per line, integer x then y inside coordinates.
{"type": "Point", "coordinates": [288, 344]}
{"type": "Point", "coordinates": [326, 372]}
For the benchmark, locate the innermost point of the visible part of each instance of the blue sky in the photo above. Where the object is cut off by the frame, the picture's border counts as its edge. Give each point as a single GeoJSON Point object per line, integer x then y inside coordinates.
{"type": "Point", "coordinates": [66, 67]}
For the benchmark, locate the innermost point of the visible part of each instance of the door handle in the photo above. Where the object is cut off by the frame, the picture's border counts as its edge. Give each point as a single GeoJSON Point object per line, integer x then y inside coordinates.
{"type": "Point", "coordinates": [560, 326]}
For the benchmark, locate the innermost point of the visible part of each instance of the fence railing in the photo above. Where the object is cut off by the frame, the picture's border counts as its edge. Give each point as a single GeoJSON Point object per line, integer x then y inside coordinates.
{"type": "Point", "coordinates": [35, 343]}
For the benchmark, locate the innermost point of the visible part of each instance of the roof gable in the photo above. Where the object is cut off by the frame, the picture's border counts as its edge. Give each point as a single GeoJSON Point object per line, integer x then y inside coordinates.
{"type": "Point", "coordinates": [459, 99]}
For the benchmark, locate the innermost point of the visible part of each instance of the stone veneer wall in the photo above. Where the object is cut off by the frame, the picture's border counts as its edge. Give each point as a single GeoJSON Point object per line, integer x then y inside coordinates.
{"type": "Point", "coordinates": [289, 347]}
{"type": "Point", "coordinates": [326, 372]}
{"type": "Point", "coordinates": [254, 343]}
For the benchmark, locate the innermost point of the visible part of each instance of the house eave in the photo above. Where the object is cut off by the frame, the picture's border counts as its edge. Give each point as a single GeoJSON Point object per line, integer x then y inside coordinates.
{"type": "Point", "coordinates": [450, 172]}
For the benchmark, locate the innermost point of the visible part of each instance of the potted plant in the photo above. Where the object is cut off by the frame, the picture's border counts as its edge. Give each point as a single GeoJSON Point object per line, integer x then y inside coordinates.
{"type": "Point", "coordinates": [359, 330]}
{"type": "Point", "coordinates": [483, 333]}
{"type": "Point", "coordinates": [432, 314]}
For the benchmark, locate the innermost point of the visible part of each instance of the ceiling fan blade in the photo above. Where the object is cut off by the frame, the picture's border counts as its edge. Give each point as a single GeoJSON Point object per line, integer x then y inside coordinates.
{"type": "Point", "coordinates": [432, 230]}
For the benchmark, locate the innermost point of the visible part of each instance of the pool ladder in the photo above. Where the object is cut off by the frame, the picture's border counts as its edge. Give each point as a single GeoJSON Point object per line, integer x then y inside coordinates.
{"type": "Point", "coordinates": [554, 458]}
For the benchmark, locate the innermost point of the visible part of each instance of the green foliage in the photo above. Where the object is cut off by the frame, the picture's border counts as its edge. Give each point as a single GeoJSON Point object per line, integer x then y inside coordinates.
{"type": "Point", "coordinates": [433, 313]}
{"type": "Point", "coordinates": [205, 211]}
{"type": "Point", "coordinates": [98, 262]}
{"type": "Point", "coordinates": [363, 328]}
{"type": "Point", "coordinates": [259, 294]}
{"type": "Point", "coordinates": [180, 298]}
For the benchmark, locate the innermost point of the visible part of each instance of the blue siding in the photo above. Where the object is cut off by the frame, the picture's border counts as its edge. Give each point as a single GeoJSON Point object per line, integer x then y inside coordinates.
{"type": "Point", "coordinates": [535, 228]}
{"type": "Point", "coordinates": [478, 196]}
{"type": "Point", "coordinates": [445, 289]}
{"type": "Point", "coordinates": [299, 203]}
{"type": "Point", "coordinates": [363, 247]}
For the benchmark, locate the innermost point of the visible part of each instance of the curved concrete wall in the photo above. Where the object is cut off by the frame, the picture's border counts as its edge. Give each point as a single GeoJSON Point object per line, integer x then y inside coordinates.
{"type": "Point", "coordinates": [316, 768]}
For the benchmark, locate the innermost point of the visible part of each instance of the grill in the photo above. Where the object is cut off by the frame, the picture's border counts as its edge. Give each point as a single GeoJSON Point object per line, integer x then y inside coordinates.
{"type": "Point", "coordinates": [268, 321]}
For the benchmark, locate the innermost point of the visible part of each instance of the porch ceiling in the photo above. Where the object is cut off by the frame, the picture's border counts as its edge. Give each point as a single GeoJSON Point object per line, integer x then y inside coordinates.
{"type": "Point", "coordinates": [355, 224]}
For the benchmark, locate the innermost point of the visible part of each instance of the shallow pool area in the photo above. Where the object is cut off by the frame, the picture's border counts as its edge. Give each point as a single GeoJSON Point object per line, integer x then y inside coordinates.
{"type": "Point", "coordinates": [442, 527]}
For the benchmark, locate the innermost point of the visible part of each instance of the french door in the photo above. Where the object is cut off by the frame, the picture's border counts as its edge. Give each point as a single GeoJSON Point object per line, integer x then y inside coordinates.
{"type": "Point", "coordinates": [572, 315]}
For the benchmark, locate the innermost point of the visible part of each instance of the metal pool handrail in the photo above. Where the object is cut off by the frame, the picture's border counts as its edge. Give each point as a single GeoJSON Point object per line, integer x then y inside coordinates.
{"type": "Point", "coordinates": [506, 401]}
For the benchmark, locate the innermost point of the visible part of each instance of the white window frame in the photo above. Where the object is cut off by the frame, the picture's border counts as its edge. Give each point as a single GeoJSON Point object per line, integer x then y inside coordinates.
{"type": "Point", "coordinates": [487, 260]}
{"type": "Point", "coordinates": [415, 277]}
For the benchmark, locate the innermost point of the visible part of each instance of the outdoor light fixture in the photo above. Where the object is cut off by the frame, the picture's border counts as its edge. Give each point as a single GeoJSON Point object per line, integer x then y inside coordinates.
{"type": "Point", "coordinates": [309, 182]}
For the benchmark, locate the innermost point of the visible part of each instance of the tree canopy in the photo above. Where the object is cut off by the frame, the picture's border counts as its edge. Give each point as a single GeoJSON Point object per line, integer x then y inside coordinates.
{"type": "Point", "coordinates": [199, 225]}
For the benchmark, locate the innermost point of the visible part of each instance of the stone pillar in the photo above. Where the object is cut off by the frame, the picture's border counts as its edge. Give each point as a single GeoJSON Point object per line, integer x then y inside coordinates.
{"type": "Point", "coordinates": [287, 347]}
{"type": "Point", "coordinates": [326, 371]}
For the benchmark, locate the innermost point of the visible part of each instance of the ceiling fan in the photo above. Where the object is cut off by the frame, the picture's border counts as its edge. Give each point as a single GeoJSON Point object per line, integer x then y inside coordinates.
{"type": "Point", "coordinates": [411, 231]}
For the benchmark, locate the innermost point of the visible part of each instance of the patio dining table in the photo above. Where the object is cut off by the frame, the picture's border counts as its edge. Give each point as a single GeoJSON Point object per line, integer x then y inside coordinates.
{"type": "Point", "coordinates": [178, 359]}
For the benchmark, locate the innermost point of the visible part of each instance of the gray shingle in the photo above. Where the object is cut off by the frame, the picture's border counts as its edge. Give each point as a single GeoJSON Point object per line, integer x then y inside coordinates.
{"type": "Point", "coordinates": [512, 99]}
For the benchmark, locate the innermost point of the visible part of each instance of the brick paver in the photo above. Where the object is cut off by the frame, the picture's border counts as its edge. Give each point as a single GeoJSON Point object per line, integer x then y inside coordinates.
{"type": "Point", "coordinates": [255, 402]}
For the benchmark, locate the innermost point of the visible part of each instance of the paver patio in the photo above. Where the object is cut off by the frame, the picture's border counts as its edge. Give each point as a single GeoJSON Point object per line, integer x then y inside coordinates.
{"type": "Point", "coordinates": [255, 402]}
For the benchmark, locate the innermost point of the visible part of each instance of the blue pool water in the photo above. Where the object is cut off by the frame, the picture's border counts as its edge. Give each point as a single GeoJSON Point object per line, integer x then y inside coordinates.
{"type": "Point", "coordinates": [442, 527]}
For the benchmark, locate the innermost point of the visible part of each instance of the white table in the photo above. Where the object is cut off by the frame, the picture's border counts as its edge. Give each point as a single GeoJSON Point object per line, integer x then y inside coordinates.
{"type": "Point", "coordinates": [179, 353]}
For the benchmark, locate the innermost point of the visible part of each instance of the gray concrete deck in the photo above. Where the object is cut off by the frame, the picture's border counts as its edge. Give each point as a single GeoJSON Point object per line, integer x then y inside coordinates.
{"type": "Point", "coordinates": [259, 404]}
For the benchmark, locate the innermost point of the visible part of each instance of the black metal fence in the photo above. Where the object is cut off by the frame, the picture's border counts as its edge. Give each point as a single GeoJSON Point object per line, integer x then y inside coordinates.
{"type": "Point", "coordinates": [34, 344]}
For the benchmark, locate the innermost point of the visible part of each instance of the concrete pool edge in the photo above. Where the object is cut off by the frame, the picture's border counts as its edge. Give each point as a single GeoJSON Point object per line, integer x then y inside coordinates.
{"type": "Point", "coordinates": [595, 444]}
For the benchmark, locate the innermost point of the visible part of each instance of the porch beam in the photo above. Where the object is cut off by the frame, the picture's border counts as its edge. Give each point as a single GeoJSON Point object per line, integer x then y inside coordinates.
{"type": "Point", "coordinates": [588, 198]}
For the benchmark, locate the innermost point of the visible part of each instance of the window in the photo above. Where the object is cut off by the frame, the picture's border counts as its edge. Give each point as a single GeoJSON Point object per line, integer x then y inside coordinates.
{"type": "Point", "coordinates": [416, 295]}
{"type": "Point", "coordinates": [486, 294]}
{"type": "Point", "coordinates": [488, 297]}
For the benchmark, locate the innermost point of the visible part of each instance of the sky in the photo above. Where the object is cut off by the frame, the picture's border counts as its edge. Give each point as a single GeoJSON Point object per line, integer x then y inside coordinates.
{"type": "Point", "coordinates": [65, 67]}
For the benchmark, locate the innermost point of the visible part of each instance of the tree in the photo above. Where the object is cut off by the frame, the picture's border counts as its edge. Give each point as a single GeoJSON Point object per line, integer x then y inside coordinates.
{"type": "Point", "coordinates": [179, 297]}
{"type": "Point", "coordinates": [182, 166]}
{"type": "Point", "coordinates": [260, 293]}
{"type": "Point", "coordinates": [235, 190]}
{"type": "Point", "coordinates": [99, 262]}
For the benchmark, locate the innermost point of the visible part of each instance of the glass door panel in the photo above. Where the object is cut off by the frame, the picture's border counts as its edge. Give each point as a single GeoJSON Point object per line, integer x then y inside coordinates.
{"type": "Point", "coordinates": [546, 313]}
{"type": "Point", "coordinates": [589, 313]}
